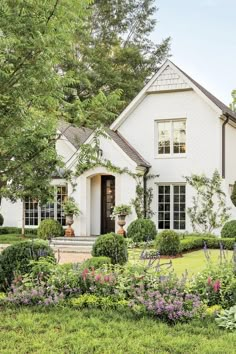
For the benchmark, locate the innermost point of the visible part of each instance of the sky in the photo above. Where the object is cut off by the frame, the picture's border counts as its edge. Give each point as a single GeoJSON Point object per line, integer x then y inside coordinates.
{"type": "Point", "coordinates": [203, 41]}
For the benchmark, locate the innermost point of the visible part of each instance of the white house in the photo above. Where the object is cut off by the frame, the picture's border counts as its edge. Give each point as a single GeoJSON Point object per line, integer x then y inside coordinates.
{"type": "Point", "coordinates": [173, 128]}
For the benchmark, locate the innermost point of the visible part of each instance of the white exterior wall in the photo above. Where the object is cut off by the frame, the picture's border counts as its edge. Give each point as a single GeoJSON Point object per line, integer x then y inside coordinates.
{"type": "Point", "coordinates": [12, 213]}
{"type": "Point", "coordinates": [230, 151]}
{"type": "Point", "coordinates": [203, 135]}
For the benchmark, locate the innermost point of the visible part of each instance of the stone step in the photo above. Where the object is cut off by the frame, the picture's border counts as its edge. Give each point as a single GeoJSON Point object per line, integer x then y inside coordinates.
{"type": "Point", "coordinates": [76, 238]}
{"type": "Point", "coordinates": [72, 249]}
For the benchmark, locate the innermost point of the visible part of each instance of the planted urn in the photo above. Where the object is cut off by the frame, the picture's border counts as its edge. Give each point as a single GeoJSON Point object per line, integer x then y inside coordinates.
{"type": "Point", "coordinates": [121, 211]}
{"type": "Point", "coordinates": [70, 209]}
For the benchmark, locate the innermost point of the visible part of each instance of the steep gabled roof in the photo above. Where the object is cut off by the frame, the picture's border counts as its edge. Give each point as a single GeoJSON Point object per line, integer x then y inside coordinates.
{"type": "Point", "coordinates": [178, 81]}
{"type": "Point", "coordinates": [78, 136]}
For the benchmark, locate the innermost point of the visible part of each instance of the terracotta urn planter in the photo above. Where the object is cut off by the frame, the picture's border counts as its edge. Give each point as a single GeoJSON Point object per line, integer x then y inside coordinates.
{"type": "Point", "coordinates": [69, 232]}
{"type": "Point", "coordinates": [121, 222]}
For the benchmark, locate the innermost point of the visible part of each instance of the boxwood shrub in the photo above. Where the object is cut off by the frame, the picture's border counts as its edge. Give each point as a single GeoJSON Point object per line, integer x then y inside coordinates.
{"type": "Point", "coordinates": [50, 228]}
{"type": "Point", "coordinates": [95, 262]}
{"type": "Point", "coordinates": [229, 229]}
{"type": "Point", "coordinates": [113, 246]}
{"type": "Point", "coordinates": [193, 243]}
{"type": "Point", "coordinates": [6, 230]}
{"type": "Point", "coordinates": [142, 230]}
{"type": "Point", "coordinates": [168, 243]}
{"type": "Point", "coordinates": [15, 259]}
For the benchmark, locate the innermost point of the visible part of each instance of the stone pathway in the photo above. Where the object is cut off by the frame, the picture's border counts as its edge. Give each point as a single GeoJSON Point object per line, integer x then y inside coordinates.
{"type": "Point", "coordinates": [63, 256]}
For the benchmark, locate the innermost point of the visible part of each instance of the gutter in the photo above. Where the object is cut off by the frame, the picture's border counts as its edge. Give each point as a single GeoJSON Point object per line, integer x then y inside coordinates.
{"type": "Point", "coordinates": [223, 144]}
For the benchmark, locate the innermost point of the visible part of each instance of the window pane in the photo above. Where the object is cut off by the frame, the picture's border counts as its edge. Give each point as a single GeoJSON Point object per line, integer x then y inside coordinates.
{"type": "Point", "coordinates": [179, 208]}
{"type": "Point", "coordinates": [179, 138]}
{"type": "Point", "coordinates": [31, 212]}
{"type": "Point", "coordinates": [164, 134]}
{"type": "Point", "coordinates": [164, 207]}
{"type": "Point", "coordinates": [62, 196]}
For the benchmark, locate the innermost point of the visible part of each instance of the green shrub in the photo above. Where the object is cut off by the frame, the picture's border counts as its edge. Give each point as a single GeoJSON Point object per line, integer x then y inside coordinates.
{"type": "Point", "coordinates": [142, 230]}
{"type": "Point", "coordinates": [5, 230]}
{"type": "Point", "coordinates": [94, 301]}
{"type": "Point", "coordinates": [112, 246]}
{"type": "Point", "coordinates": [229, 229]}
{"type": "Point", "coordinates": [50, 228]}
{"type": "Point", "coordinates": [16, 258]}
{"type": "Point", "coordinates": [168, 243]}
{"type": "Point", "coordinates": [1, 220]}
{"type": "Point", "coordinates": [95, 262]}
{"type": "Point", "coordinates": [193, 243]}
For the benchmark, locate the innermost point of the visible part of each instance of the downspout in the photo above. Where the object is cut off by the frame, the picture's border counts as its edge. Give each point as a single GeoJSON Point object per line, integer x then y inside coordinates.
{"type": "Point", "coordinates": [144, 191]}
{"type": "Point", "coordinates": [223, 144]}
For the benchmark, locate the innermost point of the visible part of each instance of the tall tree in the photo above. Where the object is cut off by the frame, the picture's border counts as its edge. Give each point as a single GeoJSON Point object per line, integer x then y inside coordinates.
{"type": "Point", "coordinates": [114, 49]}
{"type": "Point", "coordinates": [35, 37]}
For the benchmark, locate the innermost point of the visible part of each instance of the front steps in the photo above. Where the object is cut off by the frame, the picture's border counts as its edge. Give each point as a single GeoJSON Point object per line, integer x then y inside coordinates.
{"type": "Point", "coordinates": [77, 244]}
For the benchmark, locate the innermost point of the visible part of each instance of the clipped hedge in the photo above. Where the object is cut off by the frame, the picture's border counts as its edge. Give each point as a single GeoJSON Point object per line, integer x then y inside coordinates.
{"type": "Point", "coordinates": [6, 230]}
{"type": "Point", "coordinates": [95, 262]}
{"type": "Point", "coordinates": [229, 229]}
{"type": "Point", "coordinates": [193, 243]}
{"type": "Point", "coordinates": [15, 259]}
{"type": "Point", "coordinates": [50, 228]}
{"type": "Point", "coordinates": [113, 246]}
{"type": "Point", "coordinates": [142, 230]}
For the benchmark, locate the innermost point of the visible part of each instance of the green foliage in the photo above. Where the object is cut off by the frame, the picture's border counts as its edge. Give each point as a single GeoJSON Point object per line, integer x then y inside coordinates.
{"type": "Point", "coordinates": [16, 258]}
{"type": "Point", "coordinates": [233, 195]}
{"type": "Point", "coordinates": [143, 200]}
{"type": "Point", "coordinates": [192, 243]}
{"type": "Point", "coordinates": [50, 228]}
{"type": "Point", "coordinates": [112, 246]}
{"type": "Point", "coordinates": [142, 230]}
{"type": "Point", "coordinates": [1, 220]}
{"type": "Point", "coordinates": [115, 52]}
{"type": "Point", "coordinates": [5, 230]}
{"type": "Point", "coordinates": [209, 210]}
{"type": "Point", "coordinates": [227, 319]}
{"type": "Point", "coordinates": [122, 209]}
{"type": "Point", "coordinates": [95, 262]}
{"type": "Point", "coordinates": [216, 285]}
{"type": "Point", "coordinates": [94, 301]}
{"type": "Point", "coordinates": [70, 207]}
{"type": "Point", "coordinates": [168, 242]}
{"type": "Point", "coordinates": [229, 229]}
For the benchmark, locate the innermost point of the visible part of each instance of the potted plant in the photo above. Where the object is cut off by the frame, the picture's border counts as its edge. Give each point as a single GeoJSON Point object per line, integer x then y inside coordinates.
{"type": "Point", "coordinates": [70, 209]}
{"type": "Point", "coordinates": [121, 211]}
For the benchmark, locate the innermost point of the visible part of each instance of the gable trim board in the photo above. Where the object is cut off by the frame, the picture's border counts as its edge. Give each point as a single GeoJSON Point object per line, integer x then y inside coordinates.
{"type": "Point", "coordinates": [179, 81]}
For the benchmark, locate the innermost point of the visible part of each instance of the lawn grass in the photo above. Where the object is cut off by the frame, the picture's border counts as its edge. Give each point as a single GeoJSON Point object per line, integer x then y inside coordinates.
{"type": "Point", "coordinates": [66, 330]}
{"type": "Point", "coordinates": [14, 238]}
{"type": "Point", "coordinates": [193, 262]}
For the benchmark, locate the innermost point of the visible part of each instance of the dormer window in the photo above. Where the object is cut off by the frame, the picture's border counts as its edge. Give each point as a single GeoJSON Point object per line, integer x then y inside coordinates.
{"type": "Point", "coordinates": [171, 137]}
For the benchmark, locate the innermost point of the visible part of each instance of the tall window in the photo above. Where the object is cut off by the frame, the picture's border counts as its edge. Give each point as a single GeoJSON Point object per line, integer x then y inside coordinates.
{"type": "Point", "coordinates": [171, 207]}
{"type": "Point", "coordinates": [171, 137]}
{"type": "Point", "coordinates": [34, 212]}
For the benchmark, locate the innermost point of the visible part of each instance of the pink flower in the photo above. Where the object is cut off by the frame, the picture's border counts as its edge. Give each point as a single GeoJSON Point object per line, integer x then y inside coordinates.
{"type": "Point", "coordinates": [84, 274]}
{"type": "Point", "coordinates": [216, 286]}
{"type": "Point", "coordinates": [209, 280]}
{"type": "Point", "coordinates": [97, 277]}
{"type": "Point", "coordinates": [106, 278]}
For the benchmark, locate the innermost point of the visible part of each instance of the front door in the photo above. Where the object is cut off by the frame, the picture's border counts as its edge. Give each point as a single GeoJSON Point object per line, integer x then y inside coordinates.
{"type": "Point", "coordinates": [108, 202]}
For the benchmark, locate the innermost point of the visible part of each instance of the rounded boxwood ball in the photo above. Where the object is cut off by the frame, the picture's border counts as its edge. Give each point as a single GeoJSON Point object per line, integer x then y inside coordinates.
{"type": "Point", "coordinates": [168, 243]}
{"type": "Point", "coordinates": [49, 228]}
{"type": "Point", "coordinates": [113, 246]}
{"type": "Point", "coordinates": [142, 230]}
{"type": "Point", "coordinates": [15, 259]}
{"type": "Point", "coordinates": [229, 229]}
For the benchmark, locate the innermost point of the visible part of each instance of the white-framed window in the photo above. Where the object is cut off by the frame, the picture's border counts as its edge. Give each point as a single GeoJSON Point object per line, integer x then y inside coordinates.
{"type": "Point", "coordinates": [35, 213]}
{"type": "Point", "coordinates": [171, 206]}
{"type": "Point", "coordinates": [171, 137]}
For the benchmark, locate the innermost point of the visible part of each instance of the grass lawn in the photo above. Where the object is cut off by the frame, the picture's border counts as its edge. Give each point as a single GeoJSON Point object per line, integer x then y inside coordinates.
{"type": "Point", "coordinates": [66, 330]}
{"type": "Point", "coordinates": [194, 261]}
{"type": "Point", "coordinates": [13, 238]}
